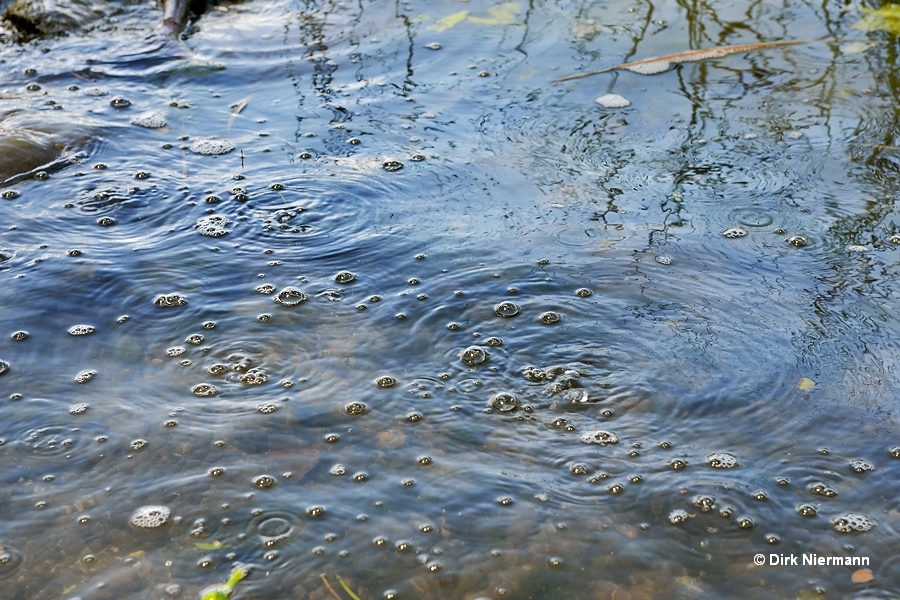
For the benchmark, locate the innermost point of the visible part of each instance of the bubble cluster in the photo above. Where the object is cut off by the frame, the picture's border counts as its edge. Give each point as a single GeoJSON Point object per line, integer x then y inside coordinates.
{"type": "Point", "coordinates": [474, 355]}
{"type": "Point", "coordinates": [734, 232]}
{"type": "Point", "coordinates": [81, 330]}
{"type": "Point", "coordinates": [255, 377]}
{"type": "Point", "coordinates": [151, 119]}
{"type": "Point", "coordinates": [4, 367]}
{"type": "Point", "coordinates": [599, 436]}
{"type": "Point", "coordinates": [19, 336]}
{"type": "Point", "coordinates": [150, 517]}
{"type": "Point", "coordinates": [204, 390]}
{"type": "Point", "coordinates": [861, 466]}
{"type": "Point", "coordinates": [852, 523]}
{"type": "Point", "coordinates": [722, 460]}
{"type": "Point", "coordinates": [266, 408]}
{"type": "Point", "coordinates": [263, 481]}
{"type": "Point", "coordinates": [613, 101]}
{"type": "Point", "coordinates": [290, 296]}
{"type": "Point", "coordinates": [211, 146]}
{"type": "Point", "coordinates": [85, 376]}
{"type": "Point", "coordinates": [678, 516]}
{"type": "Point", "coordinates": [169, 300]}
{"type": "Point", "coordinates": [78, 409]}
{"type": "Point", "coordinates": [213, 225]}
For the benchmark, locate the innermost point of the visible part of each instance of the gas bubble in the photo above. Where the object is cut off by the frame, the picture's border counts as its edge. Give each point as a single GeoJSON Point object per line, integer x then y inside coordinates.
{"type": "Point", "coordinates": [504, 402]}
{"type": "Point", "coordinates": [263, 481]}
{"type": "Point", "coordinates": [797, 241]}
{"type": "Point", "coordinates": [583, 292]}
{"type": "Point", "coordinates": [355, 408]}
{"type": "Point", "coordinates": [474, 355]}
{"type": "Point", "coordinates": [385, 382]}
{"type": "Point", "coordinates": [678, 516]}
{"type": "Point", "coordinates": [392, 165]}
{"type": "Point", "coordinates": [550, 317]}
{"type": "Point", "coordinates": [290, 296]}
{"type": "Point", "coordinates": [506, 309]}
{"type": "Point", "coordinates": [807, 510]}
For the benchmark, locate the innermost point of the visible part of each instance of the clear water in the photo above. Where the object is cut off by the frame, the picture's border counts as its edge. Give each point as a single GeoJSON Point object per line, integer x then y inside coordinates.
{"type": "Point", "coordinates": [686, 342]}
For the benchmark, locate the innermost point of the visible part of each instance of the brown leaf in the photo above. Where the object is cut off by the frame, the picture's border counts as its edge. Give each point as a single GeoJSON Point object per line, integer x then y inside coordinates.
{"type": "Point", "coordinates": [862, 576]}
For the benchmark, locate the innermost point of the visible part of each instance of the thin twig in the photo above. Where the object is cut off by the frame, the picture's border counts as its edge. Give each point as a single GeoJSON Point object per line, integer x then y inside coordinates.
{"type": "Point", "coordinates": [658, 64]}
{"type": "Point", "coordinates": [330, 589]}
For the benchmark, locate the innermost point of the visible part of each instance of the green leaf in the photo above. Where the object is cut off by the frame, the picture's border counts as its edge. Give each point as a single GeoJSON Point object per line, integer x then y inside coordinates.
{"type": "Point", "coordinates": [885, 18]}
{"type": "Point", "coordinates": [449, 21]}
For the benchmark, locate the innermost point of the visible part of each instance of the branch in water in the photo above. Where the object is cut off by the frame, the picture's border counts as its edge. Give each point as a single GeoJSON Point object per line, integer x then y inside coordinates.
{"type": "Point", "coordinates": [651, 66]}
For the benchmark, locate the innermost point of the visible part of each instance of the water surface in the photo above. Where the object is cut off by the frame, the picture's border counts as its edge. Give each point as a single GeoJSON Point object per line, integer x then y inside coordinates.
{"type": "Point", "coordinates": [399, 173]}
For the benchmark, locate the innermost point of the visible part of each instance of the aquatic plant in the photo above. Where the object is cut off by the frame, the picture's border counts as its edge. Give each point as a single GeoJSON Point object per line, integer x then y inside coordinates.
{"type": "Point", "coordinates": [223, 592]}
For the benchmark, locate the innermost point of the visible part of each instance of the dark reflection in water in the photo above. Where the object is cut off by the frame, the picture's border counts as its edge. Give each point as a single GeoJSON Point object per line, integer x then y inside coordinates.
{"type": "Point", "coordinates": [438, 327]}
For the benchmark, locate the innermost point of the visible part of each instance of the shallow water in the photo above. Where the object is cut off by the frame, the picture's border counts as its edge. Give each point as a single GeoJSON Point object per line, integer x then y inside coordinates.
{"type": "Point", "coordinates": [636, 315]}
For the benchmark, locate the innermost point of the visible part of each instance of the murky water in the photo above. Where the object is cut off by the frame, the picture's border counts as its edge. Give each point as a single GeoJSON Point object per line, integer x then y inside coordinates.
{"type": "Point", "coordinates": [439, 328]}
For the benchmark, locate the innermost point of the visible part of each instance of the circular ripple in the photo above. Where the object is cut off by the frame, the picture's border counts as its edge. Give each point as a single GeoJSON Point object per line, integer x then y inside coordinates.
{"type": "Point", "coordinates": [10, 560]}
{"type": "Point", "coordinates": [753, 217]}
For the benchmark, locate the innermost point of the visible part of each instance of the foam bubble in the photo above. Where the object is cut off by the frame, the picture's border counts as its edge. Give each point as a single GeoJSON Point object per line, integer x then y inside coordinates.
{"type": "Point", "coordinates": [169, 300]}
{"type": "Point", "coordinates": [213, 225]}
{"type": "Point", "coordinates": [150, 517]}
{"type": "Point", "coordinates": [152, 119]}
{"type": "Point", "coordinates": [211, 146]}
{"type": "Point", "coordinates": [81, 330]}
{"type": "Point", "coordinates": [722, 460]}
{"type": "Point", "coordinates": [650, 68]}
{"type": "Point", "coordinates": [852, 522]}
{"type": "Point", "coordinates": [599, 436]}
{"type": "Point", "coordinates": [613, 101]}
{"type": "Point", "coordinates": [85, 376]}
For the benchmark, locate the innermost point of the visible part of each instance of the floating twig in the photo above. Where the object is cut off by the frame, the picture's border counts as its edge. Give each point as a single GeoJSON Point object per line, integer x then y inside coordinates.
{"type": "Point", "coordinates": [658, 64]}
